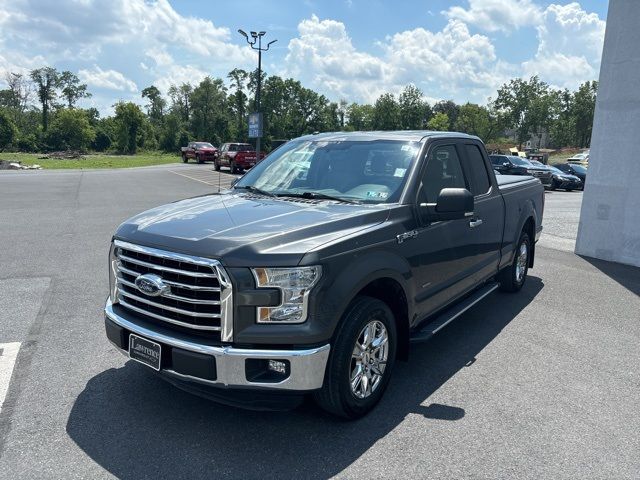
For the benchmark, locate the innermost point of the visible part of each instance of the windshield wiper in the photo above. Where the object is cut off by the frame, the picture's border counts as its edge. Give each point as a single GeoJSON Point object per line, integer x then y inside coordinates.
{"type": "Point", "coordinates": [316, 196]}
{"type": "Point", "coordinates": [253, 189]}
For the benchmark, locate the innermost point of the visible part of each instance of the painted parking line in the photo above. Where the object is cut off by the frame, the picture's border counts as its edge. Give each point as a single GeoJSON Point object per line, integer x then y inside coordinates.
{"type": "Point", "coordinates": [212, 178]}
{"type": "Point", "coordinates": [8, 355]}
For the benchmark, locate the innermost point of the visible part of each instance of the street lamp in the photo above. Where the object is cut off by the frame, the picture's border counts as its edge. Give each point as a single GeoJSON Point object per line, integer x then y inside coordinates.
{"type": "Point", "coordinates": [256, 37]}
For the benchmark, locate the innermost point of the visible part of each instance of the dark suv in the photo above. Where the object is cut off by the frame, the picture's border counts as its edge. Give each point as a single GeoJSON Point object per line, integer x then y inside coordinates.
{"type": "Point", "coordinates": [512, 165]}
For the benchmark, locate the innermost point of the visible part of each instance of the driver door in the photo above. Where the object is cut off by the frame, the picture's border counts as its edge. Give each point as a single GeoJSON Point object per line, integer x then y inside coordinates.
{"type": "Point", "coordinates": [446, 253]}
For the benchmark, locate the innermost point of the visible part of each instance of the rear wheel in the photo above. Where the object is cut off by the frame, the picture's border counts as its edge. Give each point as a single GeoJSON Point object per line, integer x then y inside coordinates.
{"type": "Point", "coordinates": [199, 159]}
{"type": "Point", "coordinates": [216, 165]}
{"type": "Point", "coordinates": [361, 359]}
{"type": "Point", "coordinates": [512, 278]}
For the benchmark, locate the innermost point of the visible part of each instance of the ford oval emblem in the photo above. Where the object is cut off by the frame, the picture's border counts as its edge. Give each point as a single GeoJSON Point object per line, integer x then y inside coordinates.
{"type": "Point", "coordinates": [151, 285]}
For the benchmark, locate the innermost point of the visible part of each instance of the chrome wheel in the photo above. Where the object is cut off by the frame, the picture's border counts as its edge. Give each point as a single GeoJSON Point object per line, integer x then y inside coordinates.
{"type": "Point", "coordinates": [521, 262]}
{"type": "Point", "coordinates": [369, 359]}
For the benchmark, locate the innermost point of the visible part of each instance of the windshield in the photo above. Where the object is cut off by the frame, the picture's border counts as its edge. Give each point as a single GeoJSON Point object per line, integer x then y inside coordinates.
{"type": "Point", "coordinates": [557, 170]}
{"type": "Point", "coordinates": [203, 145]}
{"type": "Point", "coordinates": [242, 147]}
{"type": "Point", "coordinates": [579, 168]}
{"type": "Point", "coordinates": [519, 161]}
{"type": "Point", "coordinates": [361, 171]}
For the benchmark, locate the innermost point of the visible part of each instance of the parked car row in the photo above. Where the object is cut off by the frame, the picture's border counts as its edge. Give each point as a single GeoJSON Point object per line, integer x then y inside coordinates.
{"type": "Point", "coordinates": [236, 157]}
{"type": "Point", "coordinates": [567, 176]}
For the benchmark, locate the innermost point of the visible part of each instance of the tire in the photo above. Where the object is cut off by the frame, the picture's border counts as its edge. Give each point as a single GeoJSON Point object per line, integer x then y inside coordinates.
{"type": "Point", "coordinates": [232, 166]}
{"type": "Point", "coordinates": [184, 158]}
{"type": "Point", "coordinates": [199, 159]}
{"type": "Point", "coordinates": [568, 189]}
{"type": "Point", "coordinates": [512, 278]}
{"type": "Point", "coordinates": [337, 395]}
{"type": "Point", "coordinates": [216, 165]}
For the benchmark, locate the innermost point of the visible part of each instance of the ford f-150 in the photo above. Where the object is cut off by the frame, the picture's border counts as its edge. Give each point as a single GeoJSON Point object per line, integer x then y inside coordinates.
{"type": "Point", "coordinates": [320, 267]}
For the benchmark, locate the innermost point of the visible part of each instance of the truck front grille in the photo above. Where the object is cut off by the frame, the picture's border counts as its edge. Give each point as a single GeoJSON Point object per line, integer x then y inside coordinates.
{"type": "Point", "coordinates": [196, 292]}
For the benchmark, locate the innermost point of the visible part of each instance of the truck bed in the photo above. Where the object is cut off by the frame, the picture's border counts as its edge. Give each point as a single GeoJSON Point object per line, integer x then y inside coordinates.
{"type": "Point", "coordinates": [509, 181]}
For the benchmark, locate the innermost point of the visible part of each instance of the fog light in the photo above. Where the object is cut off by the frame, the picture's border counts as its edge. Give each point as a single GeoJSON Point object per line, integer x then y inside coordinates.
{"type": "Point", "coordinates": [278, 366]}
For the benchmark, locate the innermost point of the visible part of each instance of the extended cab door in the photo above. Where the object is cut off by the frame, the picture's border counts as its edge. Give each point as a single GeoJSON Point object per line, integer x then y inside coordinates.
{"type": "Point", "coordinates": [446, 255]}
{"type": "Point", "coordinates": [487, 225]}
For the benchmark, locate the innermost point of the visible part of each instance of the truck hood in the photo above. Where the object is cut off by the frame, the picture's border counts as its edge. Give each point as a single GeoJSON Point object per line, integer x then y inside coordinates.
{"type": "Point", "coordinates": [242, 229]}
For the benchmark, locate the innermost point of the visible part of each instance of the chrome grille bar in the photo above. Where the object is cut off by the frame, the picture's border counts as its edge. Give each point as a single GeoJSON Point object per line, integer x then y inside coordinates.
{"type": "Point", "coordinates": [167, 269]}
{"type": "Point", "coordinates": [173, 283]}
{"type": "Point", "coordinates": [172, 296]}
{"type": "Point", "coordinates": [167, 307]}
{"type": "Point", "coordinates": [124, 303]}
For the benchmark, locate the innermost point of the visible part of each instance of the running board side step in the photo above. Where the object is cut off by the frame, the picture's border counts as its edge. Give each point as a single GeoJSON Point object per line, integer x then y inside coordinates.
{"type": "Point", "coordinates": [449, 315]}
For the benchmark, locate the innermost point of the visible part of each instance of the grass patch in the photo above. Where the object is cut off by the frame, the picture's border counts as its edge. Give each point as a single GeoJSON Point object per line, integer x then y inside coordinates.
{"type": "Point", "coordinates": [94, 160]}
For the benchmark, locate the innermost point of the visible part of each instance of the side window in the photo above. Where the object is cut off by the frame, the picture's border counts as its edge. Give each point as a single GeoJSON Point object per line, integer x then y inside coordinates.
{"type": "Point", "coordinates": [443, 171]}
{"type": "Point", "coordinates": [478, 176]}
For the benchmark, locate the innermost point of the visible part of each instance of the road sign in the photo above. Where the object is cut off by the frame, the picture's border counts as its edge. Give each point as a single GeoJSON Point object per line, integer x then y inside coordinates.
{"type": "Point", "coordinates": [255, 125]}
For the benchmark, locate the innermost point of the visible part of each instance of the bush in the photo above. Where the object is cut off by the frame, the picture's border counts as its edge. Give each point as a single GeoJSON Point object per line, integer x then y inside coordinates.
{"type": "Point", "coordinates": [8, 131]}
{"type": "Point", "coordinates": [70, 129]}
{"type": "Point", "coordinates": [102, 141]}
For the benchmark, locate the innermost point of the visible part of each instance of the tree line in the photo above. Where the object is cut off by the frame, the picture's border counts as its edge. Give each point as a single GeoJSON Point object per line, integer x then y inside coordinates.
{"type": "Point", "coordinates": [39, 112]}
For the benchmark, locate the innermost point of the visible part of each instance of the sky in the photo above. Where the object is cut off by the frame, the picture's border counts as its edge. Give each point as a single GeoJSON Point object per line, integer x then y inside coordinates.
{"type": "Point", "coordinates": [345, 49]}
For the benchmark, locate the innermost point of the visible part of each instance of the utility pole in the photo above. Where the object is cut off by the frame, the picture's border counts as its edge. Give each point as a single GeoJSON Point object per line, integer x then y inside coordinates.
{"type": "Point", "coordinates": [256, 130]}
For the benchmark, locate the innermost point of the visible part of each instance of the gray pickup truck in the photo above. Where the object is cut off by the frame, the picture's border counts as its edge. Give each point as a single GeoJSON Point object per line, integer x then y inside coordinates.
{"type": "Point", "coordinates": [320, 267]}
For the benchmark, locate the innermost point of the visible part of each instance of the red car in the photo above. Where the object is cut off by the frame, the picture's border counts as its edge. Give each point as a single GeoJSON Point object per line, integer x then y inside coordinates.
{"type": "Point", "coordinates": [237, 156]}
{"type": "Point", "coordinates": [201, 151]}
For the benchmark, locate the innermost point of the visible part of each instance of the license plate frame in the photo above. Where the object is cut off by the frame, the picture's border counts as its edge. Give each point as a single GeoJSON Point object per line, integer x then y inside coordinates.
{"type": "Point", "coordinates": [145, 351]}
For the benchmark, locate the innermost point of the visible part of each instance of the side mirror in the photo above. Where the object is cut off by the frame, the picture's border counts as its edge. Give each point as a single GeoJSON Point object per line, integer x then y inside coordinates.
{"type": "Point", "coordinates": [452, 204]}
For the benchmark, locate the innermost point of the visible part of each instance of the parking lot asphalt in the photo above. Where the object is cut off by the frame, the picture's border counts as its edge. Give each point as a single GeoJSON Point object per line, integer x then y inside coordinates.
{"type": "Point", "coordinates": [540, 384]}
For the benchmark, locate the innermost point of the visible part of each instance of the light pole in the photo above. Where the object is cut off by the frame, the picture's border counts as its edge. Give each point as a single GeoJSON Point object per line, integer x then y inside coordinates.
{"type": "Point", "coordinates": [256, 37]}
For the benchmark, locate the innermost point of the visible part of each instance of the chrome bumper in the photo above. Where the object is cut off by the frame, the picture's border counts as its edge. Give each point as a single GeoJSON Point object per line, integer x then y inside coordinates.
{"type": "Point", "coordinates": [307, 367]}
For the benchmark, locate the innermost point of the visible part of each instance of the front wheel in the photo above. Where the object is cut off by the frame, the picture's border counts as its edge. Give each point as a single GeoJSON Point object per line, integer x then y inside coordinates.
{"type": "Point", "coordinates": [361, 359]}
{"type": "Point", "coordinates": [512, 278]}
{"type": "Point", "coordinates": [232, 166]}
{"type": "Point", "coordinates": [184, 159]}
{"type": "Point", "coordinates": [216, 165]}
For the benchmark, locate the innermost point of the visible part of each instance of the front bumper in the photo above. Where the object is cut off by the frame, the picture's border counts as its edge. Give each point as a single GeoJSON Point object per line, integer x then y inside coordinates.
{"type": "Point", "coordinates": [232, 367]}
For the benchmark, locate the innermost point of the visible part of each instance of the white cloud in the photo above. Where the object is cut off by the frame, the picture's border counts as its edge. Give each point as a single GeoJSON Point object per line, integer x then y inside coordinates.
{"type": "Point", "coordinates": [497, 15]}
{"type": "Point", "coordinates": [109, 79]}
{"type": "Point", "coordinates": [452, 61]}
{"type": "Point", "coordinates": [569, 46]}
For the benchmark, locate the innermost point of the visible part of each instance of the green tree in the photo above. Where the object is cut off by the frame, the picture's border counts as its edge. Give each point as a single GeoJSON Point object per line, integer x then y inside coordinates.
{"type": "Point", "coordinates": [46, 79]}
{"type": "Point", "coordinates": [439, 122]}
{"type": "Point", "coordinates": [71, 88]}
{"type": "Point", "coordinates": [129, 123]}
{"type": "Point", "coordinates": [209, 119]}
{"type": "Point", "coordinates": [8, 130]}
{"type": "Point", "coordinates": [70, 129]}
{"type": "Point", "coordinates": [156, 105]}
{"type": "Point", "coordinates": [451, 109]}
{"type": "Point", "coordinates": [527, 106]}
{"type": "Point", "coordinates": [584, 104]}
{"type": "Point", "coordinates": [360, 117]}
{"type": "Point", "coordinates": [238, 101]}
{"type": "Point", "coordinates": [386, 113]}
{"type": "Point", "coordinates": [181, 100]}
{"type": "Point", "coordinates": [414, 111]}
{"type": "Point", "coordinates": [480, 121]}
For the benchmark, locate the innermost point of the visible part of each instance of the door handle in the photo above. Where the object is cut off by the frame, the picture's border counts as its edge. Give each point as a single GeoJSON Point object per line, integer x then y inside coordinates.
{"type": "Point", "coordinates": [475, 223]}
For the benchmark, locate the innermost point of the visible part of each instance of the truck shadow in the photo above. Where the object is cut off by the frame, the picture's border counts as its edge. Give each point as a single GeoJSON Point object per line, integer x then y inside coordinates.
{"type": "Point", "coordinates": [136, 426]}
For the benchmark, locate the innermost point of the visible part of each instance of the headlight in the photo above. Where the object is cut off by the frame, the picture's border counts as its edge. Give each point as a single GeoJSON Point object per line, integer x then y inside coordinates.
{"type": "Point", "coordinates": [294, 284]}
{"type": "Point", "coordinates": [558, 177]}
{"type": "Point", "coordinates": [113, 289]}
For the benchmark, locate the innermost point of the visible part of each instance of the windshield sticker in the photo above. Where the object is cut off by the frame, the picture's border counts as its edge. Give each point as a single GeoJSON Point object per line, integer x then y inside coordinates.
{"type": "Point", "coordinates": [399, 172]}
{"type": "Point", "coordinates": [377, 194]}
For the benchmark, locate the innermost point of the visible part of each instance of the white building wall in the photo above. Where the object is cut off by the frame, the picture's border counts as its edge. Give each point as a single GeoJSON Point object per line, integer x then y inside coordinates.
{"type": "Point", "coordinates": [610, 220]}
